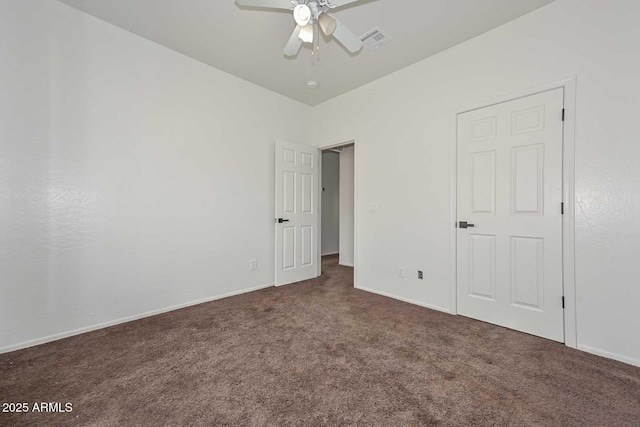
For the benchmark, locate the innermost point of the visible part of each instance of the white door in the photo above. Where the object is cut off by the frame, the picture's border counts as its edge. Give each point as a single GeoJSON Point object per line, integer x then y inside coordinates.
{"type": "Point", "coordinates": [296, 212]}
{"type": "Point", "coordinates": [510, 195]}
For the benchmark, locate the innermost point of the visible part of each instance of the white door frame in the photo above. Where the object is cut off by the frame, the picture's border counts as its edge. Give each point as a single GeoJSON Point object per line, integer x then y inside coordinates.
{"type": "Point", "coordinates": [355, 206]}
{"type": "Point", "coordinates": [568, 190]}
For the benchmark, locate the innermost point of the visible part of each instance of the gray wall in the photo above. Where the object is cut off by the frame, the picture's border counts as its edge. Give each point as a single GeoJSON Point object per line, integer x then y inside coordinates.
{"type": "Point", "coordinates": [330, 203]}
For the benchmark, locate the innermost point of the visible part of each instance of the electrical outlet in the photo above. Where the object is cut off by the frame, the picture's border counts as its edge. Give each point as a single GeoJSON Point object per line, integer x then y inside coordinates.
{"type": "Point", "coordinates": [401, 272]}
{"type": "Point", "coordinates": [253, 264]}
{"type": "Point", "coordinates": [373, 208]}
{"type": "Point", "coordinates": [420, 275]}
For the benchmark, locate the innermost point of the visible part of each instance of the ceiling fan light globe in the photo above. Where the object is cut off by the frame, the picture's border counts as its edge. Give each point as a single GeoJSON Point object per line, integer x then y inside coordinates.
{"type": "Point", "coordinates": [327, 23]}
{"type": "Point", "coordinates": [302, 14]}
{"type": "Point", "coordinates": [306, 33]}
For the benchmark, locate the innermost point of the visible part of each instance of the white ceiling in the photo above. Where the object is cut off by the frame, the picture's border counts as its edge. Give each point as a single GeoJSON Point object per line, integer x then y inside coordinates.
{"type": "Point", "coordinates": [248, 42]}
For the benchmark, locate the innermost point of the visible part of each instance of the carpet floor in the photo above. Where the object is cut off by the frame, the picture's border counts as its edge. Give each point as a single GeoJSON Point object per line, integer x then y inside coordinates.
{"type": "Point", "coordinates": [316, 353]}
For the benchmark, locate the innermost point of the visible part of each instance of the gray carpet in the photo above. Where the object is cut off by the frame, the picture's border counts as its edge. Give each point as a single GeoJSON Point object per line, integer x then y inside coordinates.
{"type": "Point", "coordinates": [316, 353]}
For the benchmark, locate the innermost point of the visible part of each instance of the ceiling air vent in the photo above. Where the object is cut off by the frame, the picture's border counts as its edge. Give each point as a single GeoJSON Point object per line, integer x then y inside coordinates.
{"type": "Point", "coordinates": [375, 38]}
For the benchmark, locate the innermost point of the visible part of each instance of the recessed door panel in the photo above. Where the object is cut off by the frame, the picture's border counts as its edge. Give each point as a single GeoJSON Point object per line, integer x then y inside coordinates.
{"type": "Point", "coordinates": [289, 192]}
{"type": "Point", "coordinates": [288, 247]}
{"type": "Point", "coordinates": [527, 272]}
{"type": "Point", "coordinates": [307, 246]}
{"type": "Point", "coordinates": [289, 156]}
{"type": "Point", "coordinates": [307, 193]}
{"type": "Point", "coordinates": [307, 160]}
{"type": "Point", "coordinates": [528, 120]}
{"type": "Point", "coordinates": [482, 266]}
{"type": "Point", "coordinates": [483, 129]}
{"type": "Point", "coordinates": [527, 180]}
{"type": "Point", "coordinates": [483, 182]}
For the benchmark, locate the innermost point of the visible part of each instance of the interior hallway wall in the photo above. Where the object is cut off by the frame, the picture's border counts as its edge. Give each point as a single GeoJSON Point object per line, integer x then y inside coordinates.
{"type": "Point", "coordinates": [330, 229]}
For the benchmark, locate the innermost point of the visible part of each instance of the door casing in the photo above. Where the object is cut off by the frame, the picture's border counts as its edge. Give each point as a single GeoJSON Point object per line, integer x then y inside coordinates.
{"type": "Point", "coordinates": [568, 190]}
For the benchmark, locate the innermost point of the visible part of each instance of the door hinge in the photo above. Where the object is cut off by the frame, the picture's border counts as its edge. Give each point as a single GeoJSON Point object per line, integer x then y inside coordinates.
{"type": "Point", "coordinates": [562, 302]}
{"type": "Point", "coordinates": [562, 208]}
{"type": "Point", "coordinates": [563, 114]}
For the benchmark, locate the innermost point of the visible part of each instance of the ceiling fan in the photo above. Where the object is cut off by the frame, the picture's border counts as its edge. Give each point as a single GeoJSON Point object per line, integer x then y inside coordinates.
{"type": "Point", "coordinates": [309, 15]}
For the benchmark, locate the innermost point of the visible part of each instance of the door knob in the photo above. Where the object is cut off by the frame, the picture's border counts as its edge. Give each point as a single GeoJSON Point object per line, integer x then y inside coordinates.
{"type": "Point", "coordinates": [465, 224]}
{"type": "Point", "coordinates": [281, 220]}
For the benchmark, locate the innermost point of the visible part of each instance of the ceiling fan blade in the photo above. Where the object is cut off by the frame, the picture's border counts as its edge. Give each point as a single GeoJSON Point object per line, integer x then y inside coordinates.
{"type": "Point", "coordinates": [340, 3]}
{"type": "Point", "coordinates": [267, 4]}
{"type": "Point", "coordinates": [347, 38]}
{"type": "Point", "coordinates": [293, 46]}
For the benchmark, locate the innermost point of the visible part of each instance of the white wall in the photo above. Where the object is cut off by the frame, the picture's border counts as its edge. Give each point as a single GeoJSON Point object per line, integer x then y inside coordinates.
{"type": "Point", "coordinates": [132, 178]}
{"type": "Point", "coordinates": [403, 125]}
{"type": "Point", "coordinates": [330, 229]}
{"type": "Point", "coordinates": [346, 206]}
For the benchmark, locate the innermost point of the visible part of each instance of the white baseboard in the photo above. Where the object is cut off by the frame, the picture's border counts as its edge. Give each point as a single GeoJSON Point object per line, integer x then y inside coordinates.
{"type": "Point", "coordinates": [330, 253]}
{"type": "Point", "coordinates": [597, 352]}
{"type": "Point", "coordinates": [55, 337]}
{"type": "Point", "coordinates": [345, 264]}
{"type": "Point", "coordinates": [410, 301]}
{"type": "Point", "coordinates": [608, 355]}
{"type": "Point", "coordinates": [79, 331]}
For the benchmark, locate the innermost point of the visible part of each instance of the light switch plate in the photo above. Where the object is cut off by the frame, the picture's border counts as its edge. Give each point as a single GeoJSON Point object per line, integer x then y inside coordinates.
{"type": "Point", "coordinates": [373, 208]}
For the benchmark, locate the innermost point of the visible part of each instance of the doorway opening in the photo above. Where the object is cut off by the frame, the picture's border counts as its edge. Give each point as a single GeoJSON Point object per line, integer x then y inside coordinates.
{"type": "Point", "coordinates": [337, 213]}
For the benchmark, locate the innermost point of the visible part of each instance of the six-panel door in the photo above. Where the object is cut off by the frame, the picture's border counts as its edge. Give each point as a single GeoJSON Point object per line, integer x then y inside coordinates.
{"type": "Point", "coordinates": [510, 190]}
{"type": "Point", "coordinates": [296, 181]}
